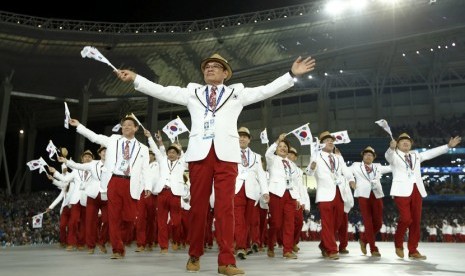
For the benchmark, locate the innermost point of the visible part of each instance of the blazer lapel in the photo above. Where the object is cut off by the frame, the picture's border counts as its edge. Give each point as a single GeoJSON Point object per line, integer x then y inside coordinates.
{"type": "Point", "coordinates": [226, 96]}
{"type": "Point", "coordinates": [201, 93]}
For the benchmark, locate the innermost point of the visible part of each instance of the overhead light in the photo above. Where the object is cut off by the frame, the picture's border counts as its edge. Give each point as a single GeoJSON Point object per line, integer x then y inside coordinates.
{"type": "Point", "coordinates": [21, 131]}
{"type": "Point", "coordinates": [341, 71]}
{"type": "Point", "coordinates": [431, 49]}
{"type": "Point", "coordinates": [418, 52]}
{"type": "Point", "coordinates": [453, 44]}
{"type": "Point", "coordinates": [310, 76]}
{"type": "Point", "coordinates": [403, 54]}
{"type": "Point", "coordinates": [326, 74]}
{"type": "Point", "coordinates": [335, 7]}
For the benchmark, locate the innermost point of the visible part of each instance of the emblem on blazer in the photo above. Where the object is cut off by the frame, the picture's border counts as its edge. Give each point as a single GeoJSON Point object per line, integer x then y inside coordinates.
{"type": "Point", "coordinates": [235, 97]}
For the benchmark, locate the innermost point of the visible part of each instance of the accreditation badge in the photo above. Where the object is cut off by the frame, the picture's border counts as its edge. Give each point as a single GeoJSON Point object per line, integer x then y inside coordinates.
{"type": "Point", "coordinates": [123, 166]}
{"type": "Point", "coordinates": [209, 128]}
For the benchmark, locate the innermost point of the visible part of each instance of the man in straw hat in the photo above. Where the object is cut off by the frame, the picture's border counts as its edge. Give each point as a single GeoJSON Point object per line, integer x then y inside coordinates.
{"type": "Point", "coordinates": [213, 151]}
{"type": "Point", "coordinates": [330, 172]}
{"type": "Point", "coordinates": [370, 195]}
{"type": "Point", "coordinates": [251, 186]}
{"type": "Point", "coordinates": [125, 176]}
{"type": "Point", "coordinates": [408, 189]}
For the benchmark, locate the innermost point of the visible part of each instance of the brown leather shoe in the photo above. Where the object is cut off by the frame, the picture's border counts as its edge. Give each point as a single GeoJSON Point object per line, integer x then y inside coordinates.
{"type": "Point", "coordinates": [71, 248]}
{"type": "Point", "coordinates": [164, 251]}
{"type": "Point", "coordinates": [230, 270]}
{"type": "Point", "coordinates": [400, 252]}
{"type": "Point", "coordinates": [417, 256]}
{"type": "Point", "coordinates": [333, 256]}
{"type": "Point", "coordinates": [149, 248]}
{"type": "Point", "coordinates": [255, 248]}
{"type": "Point", "coordinates": [295, 248]}
{"type": "Point", "coordinates": [174, 246]}
{"type": "Point", "coordinates": [363, 247]}
{"type": "Point", "coordinates": [193, 264]}
{"type": "Point", "coordinates": [90, 251]}
{"type": "Point", "coordinates": [289, 255]}
{"type": "Point", "coordinates": [116, 256]}
{"type": "Point", "coordinates": [270, 253]}
{"type": "Point", "coordinates": [375, 254]}
{"type": "Point", "coordinates": [344, 251]}
{"type": "Point", "coordinates": [102, 248]}
{"type": "Point", "coordinates": [323, 251]}
{"type": "Point", "coordinates": [140, 249]}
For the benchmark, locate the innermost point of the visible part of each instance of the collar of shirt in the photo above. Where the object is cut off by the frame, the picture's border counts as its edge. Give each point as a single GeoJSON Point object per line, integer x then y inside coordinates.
{"type": "Point", "coordinates": [218, 90]}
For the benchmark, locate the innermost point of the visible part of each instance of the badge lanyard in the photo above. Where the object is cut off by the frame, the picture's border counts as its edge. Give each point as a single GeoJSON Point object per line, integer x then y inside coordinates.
{"type": "Point", "coordinates": [207, 98]}
{"type": "Point", "coordinates": [407, 166]}
{"type": "Point", "coordinates": [367, 176]}
{"type": "Point", "coordinates": [169, 166]}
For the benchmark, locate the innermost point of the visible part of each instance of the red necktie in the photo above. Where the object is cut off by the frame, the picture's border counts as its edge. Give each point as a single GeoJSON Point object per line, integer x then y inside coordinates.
{"type": "Point", "coordinates": [331, 162]}
{"type": "Point", "coordinates": [368, 168]}
{"type": "Point", "coordinates": [286, 164]}
{"type": "Point", "coordinates": [245, 162]}
{"type": "Point", "coordinates": [213, 97]}
{"type": "Point", "coordinates": [409, 161]}
{"type": "Point", "coordinates": [126, 156]}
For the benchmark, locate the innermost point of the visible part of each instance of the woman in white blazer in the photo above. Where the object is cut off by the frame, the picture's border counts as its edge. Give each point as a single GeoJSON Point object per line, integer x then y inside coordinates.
{"type": "Point", "coordinates": [408, 189]}
{"type": "Point", "coordinates": [125, 176]}
{"type": "Point", "coordinates": [284, 196]}
{"type": "Point", "coordinates": [370, 195]}
{"type": "Point", "coordinates": [96, 199]}
{"type": "Point", "coordinates": [169, 189]}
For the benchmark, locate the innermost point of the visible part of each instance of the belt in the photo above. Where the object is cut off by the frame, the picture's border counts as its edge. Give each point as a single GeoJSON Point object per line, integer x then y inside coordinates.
{"type": "Point", "coordinates": [166, 188]}
{"type": "Point", "coordinates": [122, 176]}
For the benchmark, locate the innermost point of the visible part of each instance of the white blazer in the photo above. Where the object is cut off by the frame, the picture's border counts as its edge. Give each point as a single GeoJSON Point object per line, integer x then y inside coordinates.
{"type": "Point", "coordinates": [74, 180]}
{"type": "Point", "coordinates": [234, 98]}
{"type": "Point", "coordinates": [365, 182]}
{"type": "Point", "coordinates": [93, 186]}
{"type": "Point", "coordinates": [253, 176]}
{"type": "Point", "coordinates": [61, 197]}
{"type": "Point", "coordinates": [278, 177]}
{"type": "Point", "coordinates": [140, 179]}
{"type": "Point", "coordinates": [402, 178]}
{"type": "Point", "coordinates": [304, 197]}
{"type": "Point", "coordinates": [154, 175]}
{"type": "Point", "coordinates": [170, 174]}
{"type": "Point", "coordinates": [325, 180]}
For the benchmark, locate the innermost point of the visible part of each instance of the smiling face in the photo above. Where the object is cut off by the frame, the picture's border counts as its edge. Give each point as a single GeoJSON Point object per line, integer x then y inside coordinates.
{"type": "Point", "coordinates": [368, 157]}
{"type": "Point", "coordinates": [329, 144]}
{"type": "Point", "coordinates": [244, 140]}
{"type": "Point", "coordinates": [129, 128]}
{"type": "Point", "coordinates": [86, 158]}
{"type": "Point", "coordinates": [282, 149]}
{"type": "Point", "coordinates": [214, 73]}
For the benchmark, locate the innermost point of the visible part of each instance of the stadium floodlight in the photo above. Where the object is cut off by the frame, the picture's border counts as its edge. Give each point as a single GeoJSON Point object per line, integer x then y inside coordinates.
{"type": "Point", "coordinates": [453, 44]}
{"type": "Point", "coordinates": [310, 77]}
{"type": "Point", "coordinates": [390, 2]}
{"type": "Point", "coordinates": [335, 7]}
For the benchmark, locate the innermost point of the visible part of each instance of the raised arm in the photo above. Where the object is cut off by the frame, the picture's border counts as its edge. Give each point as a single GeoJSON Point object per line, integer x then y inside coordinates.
{"type": "Point", "coordinates": [153, 147]}
{"type": "Point", "coordinates": [89, 134]}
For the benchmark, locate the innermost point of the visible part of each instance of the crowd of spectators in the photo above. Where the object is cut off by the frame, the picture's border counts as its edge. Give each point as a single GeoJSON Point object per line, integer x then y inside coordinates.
{"type": "Point", "coordinates": [16, 212]}
{"type": "Point", "coordinates": [433, 133]}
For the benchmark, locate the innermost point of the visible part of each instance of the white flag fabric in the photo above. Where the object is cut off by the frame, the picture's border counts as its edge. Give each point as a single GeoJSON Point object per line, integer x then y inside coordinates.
{"type": "Point", "coordinates": [316, 147]}
{"type": "Point", "coordinates": [174, 128]}
{"type": "Point", "coordinates": [92, 52]}
{"type": "Point", "coordinates": [264, 137]}
{"type": "Point", "coordinates": [303, 134]}
{"type": "Point", "coordinates": [51, 149]}
{"type": "Point", "coordinates": [384, 124]}
{"type": "Point", "coordinates": [67, 116]}
{"type": "Point", "coordinates": [34, 164]}
{"type": "Point", "coordinates": [137, 120]}
{"type": "Point", "coordinates": [37, 220]}
{"type": "Point", "coordinates": [342, 137]}
{"type": "Point", "coordinates": [116, 128]}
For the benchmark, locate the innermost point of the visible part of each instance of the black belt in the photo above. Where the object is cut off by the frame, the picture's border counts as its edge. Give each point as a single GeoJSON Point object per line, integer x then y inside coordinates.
{"type": "Point", "coordinates": [122, 176]}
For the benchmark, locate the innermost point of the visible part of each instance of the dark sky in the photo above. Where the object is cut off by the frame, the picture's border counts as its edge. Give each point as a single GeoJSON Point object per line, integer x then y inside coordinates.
{"type": "Point", "coordinates": [142, 10]}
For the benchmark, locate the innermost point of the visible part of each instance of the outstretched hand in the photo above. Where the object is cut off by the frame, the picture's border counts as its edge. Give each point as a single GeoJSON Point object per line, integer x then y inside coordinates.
{"type": "Point", "coordinates": [302, 66]}
{"type": "Point", "coordinates": [74, 122]}
{"type": "Point", "coordinates": [453, 142]}
{"type": "Point", "coordinates": [126, 75]}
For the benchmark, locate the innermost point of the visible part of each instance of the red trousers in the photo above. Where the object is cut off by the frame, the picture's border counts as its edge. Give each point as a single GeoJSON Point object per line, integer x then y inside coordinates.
{"type": "Point", "coordinates": [432, 238]}
{"type": "Point", "coordinates": [145, 222]}
{"type": "Point", "coordinates": [73, 224]}
{"type": "Point", "coordinates": [92, 208]}
{"type": "Point", "coordinates": [298, 223]}
{"type": "Point", "coordinates": [209, 229]}
{"type": "Point", "coordinates": [122, 209]}
{"type": "Point", "coordinates": [184, 226]}
{"type": "Point", "coordinates": [409, 208]}
{"type": "Point", "coordinates": [222, 175]}
{"type": "Point", "coordinates": [64, 221]}
{"type": "Point", "coordinates": [168, 203]}
{"type": "Point", "coordinates": [263, 231]}
{"type": "Point", "coordinates": [332, 213]}
{"type": "Point", "coordinates": [282, 213]}
{"type": "Point", "coordinates": [246, 217]}
{"type": "Point", "coordinates": [372, 214]}
{"type": "Point", "coordinates": [342, 232]}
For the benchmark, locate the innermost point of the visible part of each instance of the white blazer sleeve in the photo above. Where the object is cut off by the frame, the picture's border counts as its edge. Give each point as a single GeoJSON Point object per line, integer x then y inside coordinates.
{"type": "Point", "coordinates": [57, 199]}
{"type": "Point", "coordinates": [92, 136]}
{"type": "Point", "coordinates": [171, 94]}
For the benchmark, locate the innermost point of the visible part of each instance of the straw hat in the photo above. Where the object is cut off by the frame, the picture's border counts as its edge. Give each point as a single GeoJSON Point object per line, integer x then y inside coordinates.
{"type": "Point", "coordinates": [87, 152]}
{"type": "Point", "coordinates": [219, 59]}
{"type": "Point", "coordinates": [368, 149]}
{"type": "Point", "coordinates": [293, 150]}
{"type": "Point", "coordinates": [326, 134]}
{"type": "Point", "coordinates": [244, 130]}
{"type": "Point", "coordinates": [404, 136]}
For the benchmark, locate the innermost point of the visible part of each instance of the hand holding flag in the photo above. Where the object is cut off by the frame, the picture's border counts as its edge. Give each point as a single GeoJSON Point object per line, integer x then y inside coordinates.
{"type": "Point", "coordinates": [92, 52]}
{"type": "Point", "coordinates": [384, 124]}
{"type": "Point", "coordinates": [137, 120]}
{"type": "Point", "coordinates": [174, 128]}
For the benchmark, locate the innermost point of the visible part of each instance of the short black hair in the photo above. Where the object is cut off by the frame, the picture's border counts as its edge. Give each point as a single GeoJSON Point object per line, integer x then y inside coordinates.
{"type": "Point", "coordinates": [130, 118]}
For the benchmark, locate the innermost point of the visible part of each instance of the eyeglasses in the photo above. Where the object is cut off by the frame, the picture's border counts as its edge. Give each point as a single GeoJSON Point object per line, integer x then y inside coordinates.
{"type": "Point", "coordinates": [213, 66]}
